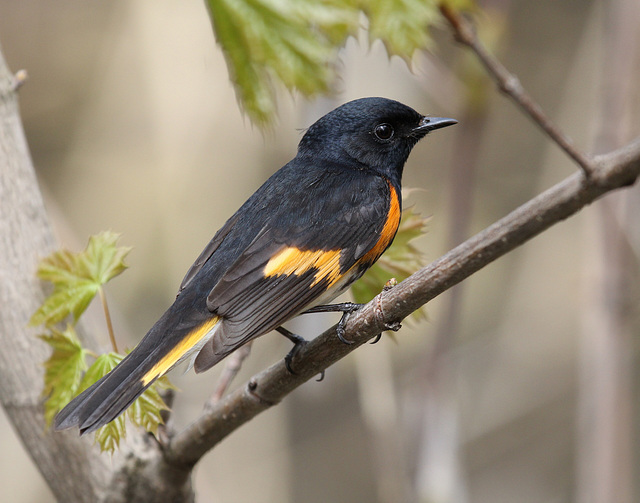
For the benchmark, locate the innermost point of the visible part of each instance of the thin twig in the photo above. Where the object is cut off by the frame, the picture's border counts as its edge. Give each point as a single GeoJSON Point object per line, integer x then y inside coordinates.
{"type": "Point", "coordinates": [606, 394]}
{"type": "Point", "coordinates": [19, 79]}
{"type": "Point", "coordinates": [107, 316]}
{"type": "Point", "coordinates": [612, 171]}
{"type": "Point", "coordinates": [510, 85]}
{"type": "Point", "coordinates": [231, 368]}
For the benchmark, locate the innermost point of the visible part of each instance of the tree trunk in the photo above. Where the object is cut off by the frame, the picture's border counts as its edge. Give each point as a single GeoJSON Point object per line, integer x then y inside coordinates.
{"type": "Point", "coordinates": [72, 466]}
{"type": "Point", "coordinates": [25, 237]}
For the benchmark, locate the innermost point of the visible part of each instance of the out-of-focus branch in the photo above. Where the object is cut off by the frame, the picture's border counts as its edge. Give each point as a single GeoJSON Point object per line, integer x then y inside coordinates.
{"type": "Point", "coordinates": [510, 85]}
{"type": "Point", "coordinates": [232, 366]}
{"type": "Point", "coordinates": [605, 455]}
{"type": "Point", "coordinates": [612, 171]}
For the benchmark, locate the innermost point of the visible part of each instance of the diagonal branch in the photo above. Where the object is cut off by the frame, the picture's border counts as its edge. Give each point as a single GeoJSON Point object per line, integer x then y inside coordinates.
{"type": "Point", "coordinates": [510, 85]}
{"type": "Point", "coordinates": [611, 171]}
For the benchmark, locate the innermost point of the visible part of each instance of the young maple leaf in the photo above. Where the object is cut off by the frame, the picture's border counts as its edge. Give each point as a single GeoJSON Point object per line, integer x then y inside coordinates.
{"type": "Point", "coordinates": [292, 41]}
{"type": "Point", "coordinates": [108, 436]}
{"type": "Point", "coordinates": [63, 370]}
{"type": "Point", "coordinates": [145, 411]}
{"type": "Point", "coordinates": [401, 25]}
{"type": "Point", "coordinates": [77, 277]}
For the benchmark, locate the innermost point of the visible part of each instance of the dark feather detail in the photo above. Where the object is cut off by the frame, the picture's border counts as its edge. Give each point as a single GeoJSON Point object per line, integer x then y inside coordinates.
{"type": "Point", "coordinates": [312, 228]}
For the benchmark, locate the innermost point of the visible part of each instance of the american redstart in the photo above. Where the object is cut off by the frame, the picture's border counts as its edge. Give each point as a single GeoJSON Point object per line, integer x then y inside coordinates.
{"type": "Point", "coordinates": [301, 239]}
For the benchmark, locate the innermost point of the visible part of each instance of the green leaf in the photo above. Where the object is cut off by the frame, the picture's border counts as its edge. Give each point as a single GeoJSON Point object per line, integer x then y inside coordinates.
{"type": "Point", "coordinates": [63, 370]}
{"type": "Point", "coordinates": [402, 25]}
{"type": "Point", "coordinates": [296, 42]}
{"type": "Point", "coordinates": [145, 411]}
{"type": "Point", "coordinates": [108, 436]}
{"type": "Point", "coordinates": [104, 364]}
{"type": "Point", "coordinates": [400, 261]}
{"type": "Point", "coordinates": [77, 277]}
{"type": "Point", "coordinates": [293, 41]}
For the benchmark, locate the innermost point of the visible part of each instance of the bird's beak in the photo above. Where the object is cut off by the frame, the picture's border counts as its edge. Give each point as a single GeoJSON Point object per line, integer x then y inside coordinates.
{"type": "Point", "coordinates": [428, 124]}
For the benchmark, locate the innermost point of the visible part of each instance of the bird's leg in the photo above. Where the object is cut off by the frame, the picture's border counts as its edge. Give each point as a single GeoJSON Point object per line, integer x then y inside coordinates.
{"type": "Point", "coordinates": [298, 342]}
{"type": "Point", "coordinates": [346, 308]}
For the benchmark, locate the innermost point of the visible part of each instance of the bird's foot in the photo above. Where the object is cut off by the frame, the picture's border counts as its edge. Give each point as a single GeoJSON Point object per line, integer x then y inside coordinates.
{"type": "Point", "coordinates": [346, 308]}
{"type": "Point", "coordinates": [298, 343]}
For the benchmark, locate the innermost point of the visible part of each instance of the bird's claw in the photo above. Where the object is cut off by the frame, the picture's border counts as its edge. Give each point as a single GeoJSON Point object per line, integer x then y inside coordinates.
{"type": "Point", "coordinates": [298, 343]}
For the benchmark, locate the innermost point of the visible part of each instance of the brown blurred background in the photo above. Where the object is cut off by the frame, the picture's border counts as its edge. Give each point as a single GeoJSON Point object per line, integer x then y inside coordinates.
{"type": "Point", "coordinates": [133, 126]}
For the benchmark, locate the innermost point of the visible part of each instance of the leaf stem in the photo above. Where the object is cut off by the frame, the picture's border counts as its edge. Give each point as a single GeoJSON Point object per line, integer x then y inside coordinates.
{"type": "Point", "coordinates": [107, 316]}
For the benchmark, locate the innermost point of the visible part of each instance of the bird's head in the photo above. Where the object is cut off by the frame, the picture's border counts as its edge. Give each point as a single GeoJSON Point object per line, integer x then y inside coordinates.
{"type": "Point", "coordinates": [369, 133]}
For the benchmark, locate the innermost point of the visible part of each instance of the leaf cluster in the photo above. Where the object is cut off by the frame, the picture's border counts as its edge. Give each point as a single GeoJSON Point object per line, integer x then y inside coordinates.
{"type": "Point", "coordinates": [77, 278]}
{"type": "Point", "coordinates": [296, 42]}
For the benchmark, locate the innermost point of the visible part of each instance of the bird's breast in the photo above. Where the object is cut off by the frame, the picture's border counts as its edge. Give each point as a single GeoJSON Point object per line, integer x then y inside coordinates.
{"type": "Point", "coordinates": [389, 228]}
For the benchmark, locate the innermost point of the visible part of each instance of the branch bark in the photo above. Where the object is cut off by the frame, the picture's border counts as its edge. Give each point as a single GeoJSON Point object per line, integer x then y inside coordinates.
{"type": "Point", "coordinates": [611, 171]}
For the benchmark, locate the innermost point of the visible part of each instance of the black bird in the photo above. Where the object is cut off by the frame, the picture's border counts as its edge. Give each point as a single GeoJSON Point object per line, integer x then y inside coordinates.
{"type": "Point", "coordinates": [302, 238]}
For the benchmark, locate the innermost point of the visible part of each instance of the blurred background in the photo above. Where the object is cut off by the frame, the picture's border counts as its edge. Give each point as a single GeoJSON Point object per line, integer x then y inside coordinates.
{"type": "Point", "coordinates": [517, 388]}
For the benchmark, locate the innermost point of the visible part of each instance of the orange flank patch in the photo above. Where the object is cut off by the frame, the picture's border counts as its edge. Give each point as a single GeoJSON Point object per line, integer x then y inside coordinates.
{"type": "Point", "coordinates": [292, 260]}
{"type": "Point", "coordinates": [179, 350]}
{"type": "Point", "coordinates": [389, 229]}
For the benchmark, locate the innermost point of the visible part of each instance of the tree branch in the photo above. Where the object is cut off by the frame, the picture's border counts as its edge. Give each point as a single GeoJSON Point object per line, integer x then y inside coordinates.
{"type": "Point", "coordinates": [510, 85]}
{"type": "Point", "coordinates": [611, 171]}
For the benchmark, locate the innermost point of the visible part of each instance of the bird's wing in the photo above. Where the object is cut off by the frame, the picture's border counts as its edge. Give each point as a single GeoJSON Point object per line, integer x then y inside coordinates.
{"type": "Point", "coordinates": [209, 250]}
{"type": "Point", "coordinates": [282, 272]}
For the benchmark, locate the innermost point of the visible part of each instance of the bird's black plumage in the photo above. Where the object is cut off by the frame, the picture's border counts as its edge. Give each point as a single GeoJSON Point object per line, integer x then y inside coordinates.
{"type": "Point", "coordinates": [309, 231]}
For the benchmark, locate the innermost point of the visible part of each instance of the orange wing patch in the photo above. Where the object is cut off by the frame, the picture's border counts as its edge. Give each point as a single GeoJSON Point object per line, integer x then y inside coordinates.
{"type": "Point", "coordinates": [179, 350]}
{"type": "Point", "coordinates": [292, 260]}
{"type": "Point", "coordinates": [389, 229]}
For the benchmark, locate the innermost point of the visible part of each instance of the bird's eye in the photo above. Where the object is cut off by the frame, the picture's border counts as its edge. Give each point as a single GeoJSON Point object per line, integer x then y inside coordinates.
{"type": "Point", "coordinates": [383, 131]}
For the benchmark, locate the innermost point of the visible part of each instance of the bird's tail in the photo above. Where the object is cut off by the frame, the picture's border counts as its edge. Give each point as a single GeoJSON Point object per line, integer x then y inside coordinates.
{"type": "Point", "coordinates": [156, 354]}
